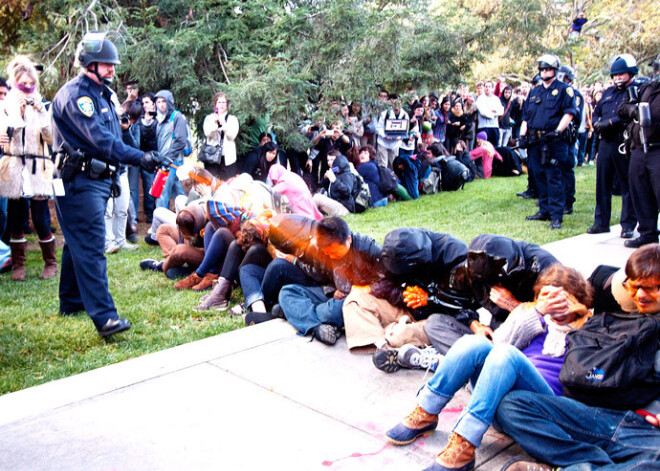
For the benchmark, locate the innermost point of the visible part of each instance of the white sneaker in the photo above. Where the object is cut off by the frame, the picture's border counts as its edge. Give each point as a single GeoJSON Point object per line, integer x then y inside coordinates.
{"type": "Point", "coordinates": [127, 246]}
{"type": "Point", "coordinates": [112, 248]}
{"type": "Point", "coordinates": [415, 358]}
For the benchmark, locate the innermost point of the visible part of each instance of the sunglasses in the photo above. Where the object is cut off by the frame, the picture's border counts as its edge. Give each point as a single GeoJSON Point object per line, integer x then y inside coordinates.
{"type": "Point", "coordinates": [632, 288]}
{"type": "Point", "coordinates": [541, 69]}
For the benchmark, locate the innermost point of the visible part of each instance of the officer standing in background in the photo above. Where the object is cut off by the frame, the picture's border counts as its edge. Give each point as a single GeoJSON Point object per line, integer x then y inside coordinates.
{"type": "Point", "coordinates": [87, 135]}
{"type": "Point", "coordinates": [611, 157]}
{"type": "Point", "coordinates": [567, 75]}
{"type": "Point", "coordinates": [644, 170]}
{"type": "Point", "coordinates": [548, 110]}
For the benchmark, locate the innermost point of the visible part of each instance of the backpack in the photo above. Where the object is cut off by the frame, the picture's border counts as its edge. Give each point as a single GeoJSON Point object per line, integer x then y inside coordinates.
{"type": "Point", "coordinates": [454, 174]}
{"type": "Point", "coordinates": [361, 194]}
{"type": "Point", "coordinates": [388, 181]}
{"type": "Point", "coordinates": [431, 184]}
{"type": "Point", "coordinates": [610, 361]}
{"type": "Point", "coordinates": [189, 147]}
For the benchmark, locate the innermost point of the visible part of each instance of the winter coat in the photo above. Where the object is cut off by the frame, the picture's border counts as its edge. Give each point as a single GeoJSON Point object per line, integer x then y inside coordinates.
{"type": "Point", "coordinates": [294, 188]}
{"type": "Point", "coordinates": [497, 260]}
{"type": "Point", "coordinates": [27, 153]}
{"type": "Point", "coordinates": [369, 172]}
{"type": "Point", "coordinates": [171, 133]}
{"type": "Point", "coordinates": [227, 133]}
{"type": "Point", "coordinates": [341, 189]}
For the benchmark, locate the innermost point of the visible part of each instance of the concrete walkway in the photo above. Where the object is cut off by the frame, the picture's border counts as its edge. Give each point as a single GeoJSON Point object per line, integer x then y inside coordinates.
{"type": "Point", "coordinates": [257, 398]}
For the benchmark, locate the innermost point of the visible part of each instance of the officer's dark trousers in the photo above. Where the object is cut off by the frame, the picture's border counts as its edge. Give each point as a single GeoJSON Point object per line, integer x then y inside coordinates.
{"type": "Point", "coordinates": [644, 175]}
{"type": "Point", "coordinates": [84, 278]}
{"type": "Point", "coordinates": [548, 178]}
{"type": "Point", "coordinates": [568, 180]}
{"type": "Point", "coordinates": [609, 163]}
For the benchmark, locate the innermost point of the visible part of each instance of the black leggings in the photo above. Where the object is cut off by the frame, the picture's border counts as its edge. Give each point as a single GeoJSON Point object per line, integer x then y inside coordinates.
{"type": "Point", "coordinates": [236, 258]}
{"type": "Point", "coordinates": [17, 212]}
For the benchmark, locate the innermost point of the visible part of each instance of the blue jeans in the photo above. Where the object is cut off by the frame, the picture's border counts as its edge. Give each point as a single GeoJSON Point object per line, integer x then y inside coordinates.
{"type": "Point", "coordinates": [3, 215]}
{"type": "Point", "coordinates": [581, 147]}
{"type": "Point", "coordinates": [565, 432]}
{"type": "Point", "coordinates": [172, 188]}
{"type": "Point", "coordinates": [380, 203]}
{"type": "Point", "coordinates": [135, 173]}
{"type": "Point", "coordinates": [306, 307]}
{"type": "Point", "coordinates": [493, 370]}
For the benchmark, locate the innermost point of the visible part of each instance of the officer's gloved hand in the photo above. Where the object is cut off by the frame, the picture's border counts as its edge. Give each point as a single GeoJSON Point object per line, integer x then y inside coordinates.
{"type": "Point", "coordinates": [150, 161]}
{"type": "Point", "coordinates": [522, 142]}
{"type": "Point", "coordinates": [602, 125]}
{"type": "Point", "coordinates": [628, 111]}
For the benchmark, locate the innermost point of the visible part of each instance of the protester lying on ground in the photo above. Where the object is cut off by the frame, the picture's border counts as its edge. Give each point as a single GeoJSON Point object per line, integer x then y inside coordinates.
{"type": "Point", "coordinates": [351, 260]}
{"type": "Point", "coordinates": [606, 433]}
{"type": "Point", "coordinates": [249, 248]}
{"type": "Point", "coordinates": [419, 281]}
{"type": "Point", "coordinates": [526, 353]}
{"type": "Point", "coordinates": [486, 152]}
{"type": "Point", "coordinates": [338, 183]}
{"type": "Point", "coordinates": [296, 191]}
{"type": "Point", "coordinates": [182, 244]}
{"type": "Point", "coordinates": [510, 165]}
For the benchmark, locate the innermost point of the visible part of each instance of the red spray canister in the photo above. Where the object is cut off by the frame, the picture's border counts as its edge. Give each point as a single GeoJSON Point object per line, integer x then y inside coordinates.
{"type": "Point", "coordinates": [159, 181]}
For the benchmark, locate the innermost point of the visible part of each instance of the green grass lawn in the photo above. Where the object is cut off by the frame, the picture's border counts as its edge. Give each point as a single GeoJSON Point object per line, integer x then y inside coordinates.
{"type": "Point", "coordinates": [38, 345]}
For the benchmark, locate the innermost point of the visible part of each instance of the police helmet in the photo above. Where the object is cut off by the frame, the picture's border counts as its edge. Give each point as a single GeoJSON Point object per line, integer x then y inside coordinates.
{"type": "Point", "coordinates": [95, 47]}
{"type": "Point", "coordinates": [624, 63]}
{"type": "Point", "coordinates": [548, 61]}
{"type": "Point", "coordinates": [566, 72]}
{"type": "Point", "coordinates": [536, 80]}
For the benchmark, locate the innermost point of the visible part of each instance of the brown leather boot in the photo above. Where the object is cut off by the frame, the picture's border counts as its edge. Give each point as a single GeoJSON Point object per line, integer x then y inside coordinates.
{"type": "Point", "coordinates": [50, 259]}
{"type": "Point", "coordinates": [219, 297]}
{"type": "Point", "coordinates": [18, 250]}
{"type": "Point", "coordinates": [205, 282]}
{"type": "Point", "coordinates": [188, 283]}
{"type": "Point", "coordinates": [458, 454]}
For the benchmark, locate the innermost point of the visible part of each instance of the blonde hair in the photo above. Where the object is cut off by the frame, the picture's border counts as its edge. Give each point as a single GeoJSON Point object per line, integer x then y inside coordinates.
{"type": "Point", "coordinates": [488, 147]}
{"type": "Point", "coordinates": [22, 65]}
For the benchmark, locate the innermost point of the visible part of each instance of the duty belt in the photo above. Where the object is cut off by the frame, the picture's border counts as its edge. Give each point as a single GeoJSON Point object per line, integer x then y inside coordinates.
{"type": "Point", "coordinates": [537, 133]}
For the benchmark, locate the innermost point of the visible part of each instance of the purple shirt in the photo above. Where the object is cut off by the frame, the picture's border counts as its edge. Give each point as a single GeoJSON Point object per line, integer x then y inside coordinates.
{"type": "Point", "coordinates": [549, 367]}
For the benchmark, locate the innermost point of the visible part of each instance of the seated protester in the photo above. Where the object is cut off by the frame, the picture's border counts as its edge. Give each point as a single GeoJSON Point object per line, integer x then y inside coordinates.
{"type": "Point", "coordinates": [296, 191]}
{"type": "Point", "coordinates": [510, 165]}
{"type": "Point", "coordinates": [407, 168]}
{"type": "Point", "coordinates": [268, 156]}
{"type": "Point", "coordinates": [570, 434]}
{"type": "Point", "coordinates": [197, 183]}
{"type": "Point", "coordinates": [458, 124]}
{"type": "Point", "coordinates": [219, 233]}
{"type": "Point", "coordinates": [324, 142]}
{"type": "Point", "coordinates": [368, 169]}
{"type": "Point", "coordinates": [487, 153]}
{"type": "Point", "coordinates": [182, 244]}
{"type": "Point", "coordinates": [420, 279]}
{"type": "Point", "coordinates": [526, 354]}
{"type": "Point", "coordinates": [351, 259]}
{"type": "Point", "coordinates": [250, 162]}
{"type": "Point", "coordinates": [249, 248]}
{"type": "Point", "coordinates": [338, 184]}
{"type": "Point", "coordinates": [460, 151]}
{"type": "Point", "coordinates": [609, 292]}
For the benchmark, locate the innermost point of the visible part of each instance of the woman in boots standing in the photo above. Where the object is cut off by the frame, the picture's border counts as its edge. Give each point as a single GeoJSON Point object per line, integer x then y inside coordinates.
{"type": "Point", "coordinates": [26, 167]}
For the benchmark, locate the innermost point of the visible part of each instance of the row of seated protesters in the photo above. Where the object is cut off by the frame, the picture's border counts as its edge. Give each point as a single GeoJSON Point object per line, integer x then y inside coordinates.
{"type": "Point", "coordinates": [413, 302]}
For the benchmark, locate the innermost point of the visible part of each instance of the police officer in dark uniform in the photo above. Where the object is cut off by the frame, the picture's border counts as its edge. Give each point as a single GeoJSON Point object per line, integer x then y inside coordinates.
{"type": "Point", "coordinates": [548, 110]}
{"type": "Point", "coordinates": [87, 136]}
{"type": "Point", "coordinates": [611, 157]}
{"type": "Point", "coordinates": [644, 171]}
{"type": "Point", "coordinates": [567, 75]}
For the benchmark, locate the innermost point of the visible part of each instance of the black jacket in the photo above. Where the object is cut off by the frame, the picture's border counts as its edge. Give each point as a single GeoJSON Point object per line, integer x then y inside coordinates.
{"type": "Point", "coordinates": [341, 189]}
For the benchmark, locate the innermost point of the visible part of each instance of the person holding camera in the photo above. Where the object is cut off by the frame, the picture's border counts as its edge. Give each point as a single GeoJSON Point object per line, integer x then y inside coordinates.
{"type": "Point", "coordinates": [26, 168]}
{"type": "Point", "coordinates": [611, 160]}
{"type": "Point", "coordinates": [221, 129]}
{"type": "Point", "coordinates": [87, 137]}
{"type": "Point", "coordinates": [644, 170]}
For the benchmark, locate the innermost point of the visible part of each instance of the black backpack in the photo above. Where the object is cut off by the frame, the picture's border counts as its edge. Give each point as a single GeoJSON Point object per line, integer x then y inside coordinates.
{"type": "Point", "coordinates": [361, 194]}
{"type": "Point", "coordinates": [610, 361]}
{"type": "Point", "coordinates": [454, 174]}
{"type": "Point", "coordinates": [388, 181]}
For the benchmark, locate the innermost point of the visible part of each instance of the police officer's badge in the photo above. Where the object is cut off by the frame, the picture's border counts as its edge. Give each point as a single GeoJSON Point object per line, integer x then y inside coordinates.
{"type": "Point", "coordinates": [86, 106]}
{"type": "Point", "coordinates": [569, 92]}
{"type": "Point", "coordinates": [555, 92]}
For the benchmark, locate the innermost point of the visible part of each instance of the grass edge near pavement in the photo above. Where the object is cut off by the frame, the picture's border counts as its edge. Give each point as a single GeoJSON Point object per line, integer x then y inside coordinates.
{"type": "Point", "coordinates": [39, 345]}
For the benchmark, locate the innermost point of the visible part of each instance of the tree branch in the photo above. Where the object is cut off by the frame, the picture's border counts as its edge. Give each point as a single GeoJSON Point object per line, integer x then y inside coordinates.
{"type": "Point", "coordinates": [222, 66]}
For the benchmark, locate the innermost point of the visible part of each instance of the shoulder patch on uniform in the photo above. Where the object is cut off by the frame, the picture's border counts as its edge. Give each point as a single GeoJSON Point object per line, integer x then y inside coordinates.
{"type": "Point", "coordinates": [578, 101]}
{"type": "Point", "coordinates": [555, 92]}
{"type": "Point", "coordinates": [86, 106]}
{"type": "Point", "coordinates": [570, 92]}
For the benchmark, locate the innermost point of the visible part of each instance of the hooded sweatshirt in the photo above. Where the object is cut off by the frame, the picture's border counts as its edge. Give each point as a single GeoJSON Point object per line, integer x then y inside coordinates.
{"type": "Point", "coordinates": [172, 134]}
{"type": "Point", "coordinates": [294, 188]}
{"type": "Point", "coordinates": [342, 188]}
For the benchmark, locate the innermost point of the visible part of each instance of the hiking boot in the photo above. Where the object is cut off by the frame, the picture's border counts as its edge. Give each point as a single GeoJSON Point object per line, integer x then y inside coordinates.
{"type": "Point", "coordinates": [413, 357]}
{"type": "Point", "coordinates": [458, 455]}
{"type": "Point", "coordinates": [385, 359]}
{"type": "Point", "coordinates": [219, 297]}
{"type": "Point", "coordinates": [50, 259]}
{"type": "Point", "coordinates": [18, 250]}
{"type": "Point", "coordinates": [151, 264]}
{"type": "Point", "coordinates": [206, 282]}
{"type": "Point", "coordinates": [326, 333]}
{"type": "Point", "coordinates": [418, 423]}
{"type": "Point", "coordinates": [519, 465]}
{"type": "Point", "coordinates": [187, 283]}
